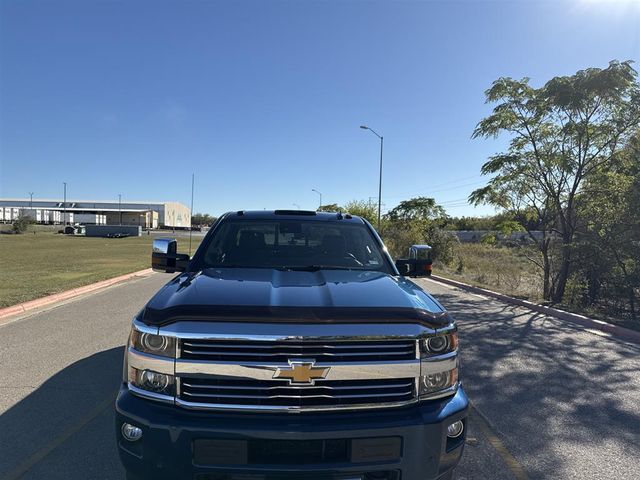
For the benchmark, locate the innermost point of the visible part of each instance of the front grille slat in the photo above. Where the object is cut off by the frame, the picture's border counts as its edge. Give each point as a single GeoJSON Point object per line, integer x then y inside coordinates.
{"type": "Point", "coordinates": [297, 354]}
{"type": "Point", "coordinates": [287, 387]}
{"type": "Point", "coordinates": [281, 351]}
{"type": "Point", "coordinates": [203, 395]}
{"type": "Point", "coordinates": [327, 393]}
{"type": "Point", "coordinates": [282, 345]}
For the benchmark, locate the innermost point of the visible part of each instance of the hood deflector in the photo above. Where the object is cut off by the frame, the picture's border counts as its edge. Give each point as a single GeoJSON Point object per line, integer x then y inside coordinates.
{"type": "Point", "coordinates": [266, 314]}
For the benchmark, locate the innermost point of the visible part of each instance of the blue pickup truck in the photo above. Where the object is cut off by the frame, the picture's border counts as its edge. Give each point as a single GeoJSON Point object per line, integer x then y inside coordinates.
{"type": "Point", "coordinates": [290, 346]}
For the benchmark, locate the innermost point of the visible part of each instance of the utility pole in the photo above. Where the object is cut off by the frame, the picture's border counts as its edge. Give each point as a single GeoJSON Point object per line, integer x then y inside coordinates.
{"type": "Point", "coordinates": [193, 176]}
{"type": "Point", "coordinates": [64, 204]}
{"type": "Point", "coordinates": [364, 127]}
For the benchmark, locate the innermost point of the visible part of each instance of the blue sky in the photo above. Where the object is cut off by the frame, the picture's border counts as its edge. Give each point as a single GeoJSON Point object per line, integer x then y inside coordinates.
{"type": "Point", "coordinates": [263, 99]}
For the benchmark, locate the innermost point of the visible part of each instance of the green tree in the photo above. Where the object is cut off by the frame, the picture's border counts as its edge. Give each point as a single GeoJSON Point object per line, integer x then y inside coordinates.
{"type": "Point", "coordinates": [419, 208]}
{"type": "Point", "coordinates": [608, 237]}
{"type": "Point", "coordinates": [362, 209]}
{"type": "Point", "coordinates": [202, 219]}
{"type": "Point", "coordinates": [418, 221]}
{"type": "Point", "coordinates": [561, 134]}
{"type": "Point", "coordinates": [331, 207]}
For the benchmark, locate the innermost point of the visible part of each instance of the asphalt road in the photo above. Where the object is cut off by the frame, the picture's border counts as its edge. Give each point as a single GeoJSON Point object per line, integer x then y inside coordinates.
{"type": "Point", "coordinates": [550, 401]}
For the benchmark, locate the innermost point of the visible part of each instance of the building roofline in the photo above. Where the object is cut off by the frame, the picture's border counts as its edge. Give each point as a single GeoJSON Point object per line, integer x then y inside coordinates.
{"type": "Point", "coordinates": [72, 200]}
{"type": "Point", "coordinates": [4, 199]}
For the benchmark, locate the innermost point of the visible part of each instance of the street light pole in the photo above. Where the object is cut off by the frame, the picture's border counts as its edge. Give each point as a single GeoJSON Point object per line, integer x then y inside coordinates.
{"type": "Point", "coordinates": [364, 127]}
{"type": "Point", "coordinates": [119, 207]}
{"type": "Point", "coordinates": [64, 204]}
{"type": "Point", "coordinates": [30, 200]}
{"type": "Point", "coordinates": [314, 190]}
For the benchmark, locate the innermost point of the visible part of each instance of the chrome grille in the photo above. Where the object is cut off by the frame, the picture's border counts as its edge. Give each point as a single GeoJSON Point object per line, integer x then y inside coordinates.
{"type": "Point", "coordinates": [283, 351]}
{"type": "Point", "coordinates": [279, 393]}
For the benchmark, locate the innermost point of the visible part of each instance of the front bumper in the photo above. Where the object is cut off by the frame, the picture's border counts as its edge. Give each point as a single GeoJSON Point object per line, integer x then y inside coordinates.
{"type": "Point", "coordinates": [166, 449]}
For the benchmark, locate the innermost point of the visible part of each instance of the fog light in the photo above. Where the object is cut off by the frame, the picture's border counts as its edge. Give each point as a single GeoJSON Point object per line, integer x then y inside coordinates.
{"type": "Point", "coordinates": [131, 432]}
{"type": "Point", "coordinates": [455, 429]}
{"type": "Point", "coordinates": [154, 381]}
{"type": "Point", "coordinates": [436, 381]}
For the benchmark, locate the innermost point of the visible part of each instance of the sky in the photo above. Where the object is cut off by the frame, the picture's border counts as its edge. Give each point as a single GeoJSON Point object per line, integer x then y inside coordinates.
{"type": "Point", "coordinates": [262, 100]}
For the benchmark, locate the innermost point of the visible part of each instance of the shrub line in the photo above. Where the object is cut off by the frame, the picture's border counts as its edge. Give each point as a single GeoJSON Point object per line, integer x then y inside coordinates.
{"type": "Point", "coordinates": [68, 294]}
{"type": "Point", "coordinates": [590, 323]}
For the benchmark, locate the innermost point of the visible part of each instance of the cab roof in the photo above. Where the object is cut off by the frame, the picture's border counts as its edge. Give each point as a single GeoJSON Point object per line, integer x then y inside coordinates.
{"type": "Point", "coordinates": [303, 215]}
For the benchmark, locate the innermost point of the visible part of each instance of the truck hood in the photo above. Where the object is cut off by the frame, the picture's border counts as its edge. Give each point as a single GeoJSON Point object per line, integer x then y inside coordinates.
{"type": "Point", "coordinates": [269, 295]}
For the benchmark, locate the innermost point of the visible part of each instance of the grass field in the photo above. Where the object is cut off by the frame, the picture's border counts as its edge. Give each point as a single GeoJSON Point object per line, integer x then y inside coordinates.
{"type": "Point", "coordinates": [508, 271]}
{"type": "Point", "coordinates": [35, 265]}
{"type": "Point", "coordinates": [502, 269]}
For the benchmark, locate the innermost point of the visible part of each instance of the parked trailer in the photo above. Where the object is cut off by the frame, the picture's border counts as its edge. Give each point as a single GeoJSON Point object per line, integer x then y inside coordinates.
{"type": "Point", "coordinates": [113, 230]}
{"type": "Point", "coordinates": [90, 218]}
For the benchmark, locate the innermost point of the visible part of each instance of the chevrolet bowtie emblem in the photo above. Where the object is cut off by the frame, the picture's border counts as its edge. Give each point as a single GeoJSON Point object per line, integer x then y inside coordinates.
{"type": "Point", "coordinates": [301, 371]}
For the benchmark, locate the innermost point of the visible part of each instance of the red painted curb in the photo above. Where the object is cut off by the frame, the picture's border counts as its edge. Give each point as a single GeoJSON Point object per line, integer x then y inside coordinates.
{"type": "Point", "coordinates": [67, 294]}
{"type": "Point", "coordinates": [591, 323]}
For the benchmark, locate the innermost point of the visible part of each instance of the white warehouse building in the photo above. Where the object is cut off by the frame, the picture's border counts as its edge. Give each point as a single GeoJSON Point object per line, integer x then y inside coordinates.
{"type": "Point", "coordinates": [95, 212]}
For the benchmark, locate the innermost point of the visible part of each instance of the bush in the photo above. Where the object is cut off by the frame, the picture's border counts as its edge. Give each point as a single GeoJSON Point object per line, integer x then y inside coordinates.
{"type": "Point", "coordinates": [21, 224]}
{"type": "Point", "coordinates": [489, 239]}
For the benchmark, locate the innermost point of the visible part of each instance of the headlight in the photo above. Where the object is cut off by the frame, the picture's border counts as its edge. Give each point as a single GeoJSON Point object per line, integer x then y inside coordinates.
{"type": "Point", "coordinates": [433, 383]}
{"type": "Point", "coordinates": [438, 365]}
{"type": "Point", "coordinates": [151, 381]}
{"type": "Point", "coordinates": [438, 344]}
{"type": "Point", "coordinates": [153, 344]}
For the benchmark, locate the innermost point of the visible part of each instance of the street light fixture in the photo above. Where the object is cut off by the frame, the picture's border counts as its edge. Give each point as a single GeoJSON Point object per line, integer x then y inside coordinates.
{"type": "Point", "coordinates": [365, 127]}
{"type": "Point", "coordinates": [296, 205]}
{"type": "Point", "coordinates": [314, 190]}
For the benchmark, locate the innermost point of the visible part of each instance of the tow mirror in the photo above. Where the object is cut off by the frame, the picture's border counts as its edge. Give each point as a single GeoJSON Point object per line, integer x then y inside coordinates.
{"type": "Point", "coordinates": [419, 263]}
{"type": "Point", "coordinates": [403, 267]}
{"type": "Point", "coordinates": [165, 256]}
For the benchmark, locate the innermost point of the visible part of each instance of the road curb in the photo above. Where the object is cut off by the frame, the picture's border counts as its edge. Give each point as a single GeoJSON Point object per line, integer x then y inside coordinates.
{"type": "Point", "coordinates": [590, 323]}
{"type": "Point", "coordinates": [68, 294]}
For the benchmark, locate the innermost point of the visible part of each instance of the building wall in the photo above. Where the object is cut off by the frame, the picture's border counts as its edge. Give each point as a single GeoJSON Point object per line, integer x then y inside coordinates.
{"type": "Point", "coordinates": [176, 215]}
{"type": "Point", "coordinates": [144, 214]}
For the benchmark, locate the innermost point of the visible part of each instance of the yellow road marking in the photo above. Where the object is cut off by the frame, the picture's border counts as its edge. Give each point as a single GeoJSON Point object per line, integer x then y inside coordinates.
{"type": "Point", "coordinates": [39, 455]}
{"type": "Point", "coordinates": [512, 464]}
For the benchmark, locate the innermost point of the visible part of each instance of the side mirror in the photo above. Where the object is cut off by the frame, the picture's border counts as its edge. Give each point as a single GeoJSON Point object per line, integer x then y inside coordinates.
{"type": "Point", "coordinates": [413, 267]}
{"type": "Point", "coordinates": [403, 267]}
{"type": "Point", "coordinates": [165, 256]}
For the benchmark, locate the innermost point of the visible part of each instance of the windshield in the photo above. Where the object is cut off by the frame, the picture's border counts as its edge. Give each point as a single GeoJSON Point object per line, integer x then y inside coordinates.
{"type": "Point", "coordinates": [295, 245]}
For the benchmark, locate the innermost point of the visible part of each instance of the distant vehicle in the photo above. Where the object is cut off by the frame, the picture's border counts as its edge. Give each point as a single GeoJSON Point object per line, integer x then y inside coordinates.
{"type": "Point", "coordinates": [291, 347]}
{"type": "Point", "coordinates": [117, 235]}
